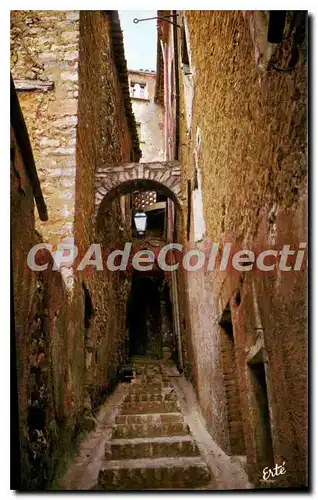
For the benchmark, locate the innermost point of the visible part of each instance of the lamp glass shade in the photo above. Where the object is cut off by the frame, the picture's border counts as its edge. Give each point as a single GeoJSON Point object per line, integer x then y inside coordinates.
{"type": "Point", "coordinates": [140, 219]}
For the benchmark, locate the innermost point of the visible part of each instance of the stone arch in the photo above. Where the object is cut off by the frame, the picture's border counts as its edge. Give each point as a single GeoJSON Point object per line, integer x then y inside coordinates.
{"type": "Point", "coordinates": [113, 180]}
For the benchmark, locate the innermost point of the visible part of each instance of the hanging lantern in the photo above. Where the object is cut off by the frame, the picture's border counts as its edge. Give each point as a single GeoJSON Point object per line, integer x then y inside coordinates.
{"type": "Point", "coordinates": [140, 219]}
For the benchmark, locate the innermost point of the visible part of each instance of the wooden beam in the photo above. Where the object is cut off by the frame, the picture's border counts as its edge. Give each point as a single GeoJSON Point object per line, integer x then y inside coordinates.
{"type": "Point", "coordinates": [22, 138]}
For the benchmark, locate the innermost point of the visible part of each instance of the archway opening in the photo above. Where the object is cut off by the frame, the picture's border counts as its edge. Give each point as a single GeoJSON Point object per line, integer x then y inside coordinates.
{"type": "Point", "coordinates": [143, 196]}
{"type": "Point", "coordinates": [151, 319]}
{"type": "Point", "coordinates": [105, 195]}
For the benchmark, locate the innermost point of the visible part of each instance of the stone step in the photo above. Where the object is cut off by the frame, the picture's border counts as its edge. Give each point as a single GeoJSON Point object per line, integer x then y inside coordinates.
{"type": "Point", "coordinates": [153, 429]}
{"type": "Point", "coordinates": [143, 361]}
{"type": "Point", "coordinates": [141, 373]}
{"type": "Point", "coordinates": [149, 407]}
{"type": "Point", "coordinates": [156, 418]}
{"type": "Point", "coordinates": [175, 446]}
{"type": "Point", "coordinates": [151, 387]}
{"type": "Point", "coordinates": [141, 370]}
{"type": "Point", "coordinates": [154, 396]}
{"type": "Point", "coordinates": [152, 379]}
{"type": "Point", "coordinates": [144, 370]}
{"type": "Point", "coordinates": [153, 473]}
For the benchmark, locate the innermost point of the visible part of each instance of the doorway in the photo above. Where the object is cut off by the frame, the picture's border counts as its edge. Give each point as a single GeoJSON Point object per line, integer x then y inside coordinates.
{"type": "Point", "coordinates": [149, 323]}
{"type": "Point", "coordinates": [261, 415]}
{"type": "Point", "coordinates": [233, 405]}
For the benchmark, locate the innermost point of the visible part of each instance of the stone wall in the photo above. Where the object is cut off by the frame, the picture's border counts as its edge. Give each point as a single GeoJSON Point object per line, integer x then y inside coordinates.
{"type": "Point", "coordinates": [245, 138]}
{"type": "Point", "coordinates": [104, 137]}
{"type": "Point", "coordinates": [149, 117]}
{"type": "Point", "coordinates": [71, 72]}
{"type": "Point", "coordinates": [44, 65]}
{"type": "Point", "coordinates": [70, 68]}
{"type": "Point", "coordinates": [41, 330]}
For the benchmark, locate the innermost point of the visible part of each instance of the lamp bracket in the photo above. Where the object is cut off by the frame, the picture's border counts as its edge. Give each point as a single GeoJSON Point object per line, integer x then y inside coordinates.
{"type": "Point", "coordinates": [163, 18]}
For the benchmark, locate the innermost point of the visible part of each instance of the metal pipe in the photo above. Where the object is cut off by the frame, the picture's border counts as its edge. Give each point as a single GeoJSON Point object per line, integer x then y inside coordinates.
{"type": "Point", "coordinates": [177, 97]}
{"type": "Point", "coordinates": [176, 317]}
{"type": "Point", "coordinates": [165, 97]}
{"type": "Point", "coordinates": [177, 312]}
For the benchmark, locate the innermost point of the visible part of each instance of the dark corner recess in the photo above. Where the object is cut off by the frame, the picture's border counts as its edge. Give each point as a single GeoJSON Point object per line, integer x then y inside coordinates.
{"type": "Point", "coordinates": [276, 26]}
{"type": "Point", "coordinates": [295, 31]}
{"type": "Point", "coordinates": [22, 138]}
{"type": "Point", "coordinates": [226, 319]}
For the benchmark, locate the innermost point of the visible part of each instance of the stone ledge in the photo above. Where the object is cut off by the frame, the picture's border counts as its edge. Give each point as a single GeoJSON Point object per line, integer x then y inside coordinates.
{"type": "Point", "coordinates": [25, 85]}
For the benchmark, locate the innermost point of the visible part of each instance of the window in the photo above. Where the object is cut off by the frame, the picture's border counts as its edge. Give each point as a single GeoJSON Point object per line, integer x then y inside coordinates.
{"type": "Point", "coordinates": [142, 92]}
{"type": "Point", "coordinates": [132, 89]}
{"type": "Point", "coordinates": [138, 90]}
{"type": "Point", "coordinates": [197, 204]}
{"type": "Point", "coordinates": [184, 52]}
{"type": "Point", "coordinates": [139, 132]}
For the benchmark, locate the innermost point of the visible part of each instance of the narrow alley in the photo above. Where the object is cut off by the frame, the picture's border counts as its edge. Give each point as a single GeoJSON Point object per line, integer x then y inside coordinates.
{"type": "Point", "coordinates": [159, 244]}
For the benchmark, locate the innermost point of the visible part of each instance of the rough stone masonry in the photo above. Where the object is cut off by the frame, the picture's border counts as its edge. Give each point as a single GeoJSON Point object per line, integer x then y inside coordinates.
{"type": "Point", "coordinates": [44, 65]}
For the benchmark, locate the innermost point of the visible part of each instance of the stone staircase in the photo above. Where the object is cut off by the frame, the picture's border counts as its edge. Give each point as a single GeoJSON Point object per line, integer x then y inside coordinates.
{"type": "Point", "coordinates": [151, 447]}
